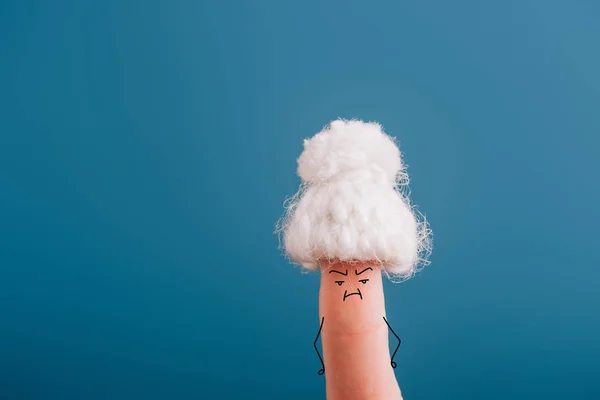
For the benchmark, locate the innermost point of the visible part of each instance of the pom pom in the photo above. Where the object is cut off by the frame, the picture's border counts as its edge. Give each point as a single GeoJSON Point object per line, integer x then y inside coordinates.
{"type": "Point", "coordinates": [350, 207]}
{"type": "Point", "coordinates": [346, 146]}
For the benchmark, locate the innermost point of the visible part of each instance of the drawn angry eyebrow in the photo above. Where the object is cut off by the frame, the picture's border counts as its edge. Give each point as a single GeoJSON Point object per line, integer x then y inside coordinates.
{"type": "Point", "coordinates": [366, 269]}
{"type": "Point", "coordinates": [341, 273]}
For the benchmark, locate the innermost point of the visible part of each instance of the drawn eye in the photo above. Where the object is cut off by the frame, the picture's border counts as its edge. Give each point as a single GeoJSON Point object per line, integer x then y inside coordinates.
{"type": "Point", "coordinates": [339, 283]}
{"type": "Point", "coordinates": [364, 281]}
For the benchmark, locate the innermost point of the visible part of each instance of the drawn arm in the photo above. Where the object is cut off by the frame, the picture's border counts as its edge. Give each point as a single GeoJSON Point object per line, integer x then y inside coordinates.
{"type": "Point", "coordinates": [322, 370]}
{"type": "Point", "coordinates": [399, 341]}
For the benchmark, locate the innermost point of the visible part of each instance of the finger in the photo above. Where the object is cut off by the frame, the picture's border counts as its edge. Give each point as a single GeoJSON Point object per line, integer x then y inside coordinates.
{"type": "Point", "coordinates": [354, 334]}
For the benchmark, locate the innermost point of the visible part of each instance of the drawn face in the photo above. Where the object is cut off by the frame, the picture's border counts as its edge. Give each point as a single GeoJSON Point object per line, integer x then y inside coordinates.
{"type": "Point", "coordinates": [351, 296]}
{"type": "Point", "coordinates": [351, 280]}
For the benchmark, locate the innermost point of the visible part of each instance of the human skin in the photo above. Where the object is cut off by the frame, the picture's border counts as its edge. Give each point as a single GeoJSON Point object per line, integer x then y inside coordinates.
{"type": "Point", "coordinates": [354, 333]}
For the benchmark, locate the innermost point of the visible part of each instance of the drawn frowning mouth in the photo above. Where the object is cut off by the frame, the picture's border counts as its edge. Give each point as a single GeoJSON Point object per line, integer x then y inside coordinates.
{"type": "Point", "coordinates": [351, 294]}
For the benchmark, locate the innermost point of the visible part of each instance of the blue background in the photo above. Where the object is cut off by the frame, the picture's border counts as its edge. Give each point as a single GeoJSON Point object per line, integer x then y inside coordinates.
{"type": "Point", "coordinates": [146, 148]}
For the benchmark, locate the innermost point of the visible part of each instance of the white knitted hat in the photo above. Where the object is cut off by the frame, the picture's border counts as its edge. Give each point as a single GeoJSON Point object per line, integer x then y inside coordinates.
{"type": "Point", "coordinates": [350, 207]}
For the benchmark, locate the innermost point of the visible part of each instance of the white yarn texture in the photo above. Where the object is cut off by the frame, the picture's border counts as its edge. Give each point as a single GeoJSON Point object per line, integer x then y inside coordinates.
{"type": "Point", "coordinates": [353, 204]}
